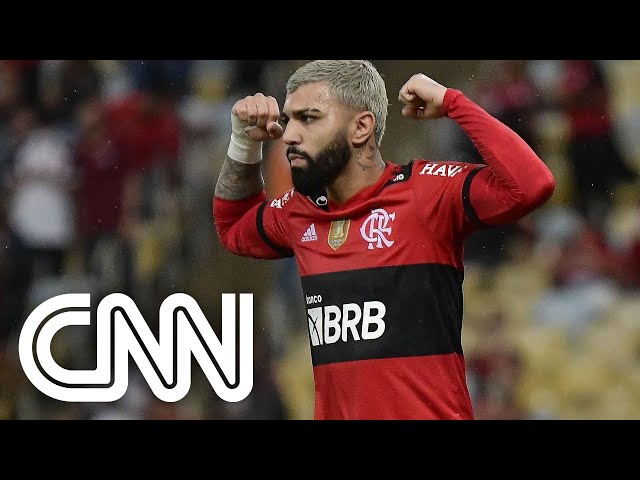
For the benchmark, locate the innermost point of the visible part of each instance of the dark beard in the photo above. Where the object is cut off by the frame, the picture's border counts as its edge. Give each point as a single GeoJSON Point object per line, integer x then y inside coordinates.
{"type": "Point", "coordinates": [321, 170]}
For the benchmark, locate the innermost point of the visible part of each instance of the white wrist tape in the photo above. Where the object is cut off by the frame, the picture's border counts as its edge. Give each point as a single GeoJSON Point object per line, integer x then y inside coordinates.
{"type": "Point", "coordinates": [243, 148]}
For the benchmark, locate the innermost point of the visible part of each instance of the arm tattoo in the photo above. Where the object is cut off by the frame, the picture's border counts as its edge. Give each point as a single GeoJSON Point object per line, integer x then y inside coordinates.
{"type": "Point", "coordinates": [238, 180]}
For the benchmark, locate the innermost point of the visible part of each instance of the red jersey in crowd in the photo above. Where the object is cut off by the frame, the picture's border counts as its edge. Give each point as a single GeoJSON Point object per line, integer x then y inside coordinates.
{"type": "Point", "coordinates": [146, 128]}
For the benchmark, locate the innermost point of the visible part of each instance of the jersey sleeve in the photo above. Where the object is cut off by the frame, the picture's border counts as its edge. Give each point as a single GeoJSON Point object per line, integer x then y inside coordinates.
{"type": "Point", "coordinates": [441, 194]}
{"type": "Point", "coordinates": [254, 227]}
{"type": "Point", "coordinates": [514, 180]}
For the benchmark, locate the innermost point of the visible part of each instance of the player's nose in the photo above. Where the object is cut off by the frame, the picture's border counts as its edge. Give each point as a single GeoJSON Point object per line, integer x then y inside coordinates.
{"type": "Point", "coordinates": [291, 136]}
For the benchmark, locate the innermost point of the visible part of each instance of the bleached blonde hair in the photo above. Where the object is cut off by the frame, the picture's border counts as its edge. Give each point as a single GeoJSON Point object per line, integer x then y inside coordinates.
{"type": "Point", "coordinates": [355, 84]}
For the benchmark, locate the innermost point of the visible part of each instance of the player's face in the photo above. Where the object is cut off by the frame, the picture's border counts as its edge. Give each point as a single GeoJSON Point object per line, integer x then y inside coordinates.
{"type": "Point", "coordinates": [316, 134]}
{"type": "Point", "coordinates": [316, 172]}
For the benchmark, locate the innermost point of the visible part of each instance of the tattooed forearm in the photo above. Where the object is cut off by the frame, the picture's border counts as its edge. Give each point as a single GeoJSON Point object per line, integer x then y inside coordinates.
{"type": "Point", "coordinates": [238, 180]}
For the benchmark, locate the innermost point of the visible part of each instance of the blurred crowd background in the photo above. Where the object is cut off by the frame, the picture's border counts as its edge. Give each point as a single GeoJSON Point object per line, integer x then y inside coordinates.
{"type": "Point", "coordinates": [107, 173]}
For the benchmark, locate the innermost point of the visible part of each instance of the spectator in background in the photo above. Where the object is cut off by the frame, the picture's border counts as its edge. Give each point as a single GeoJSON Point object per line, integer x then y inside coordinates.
{"type": "Point", "coordinates": [588, 258]}
{"type": "Point", "coordinates": [19, 84]}
{"type": "Point", "coordinates": [592, 148]}
{"type": "Point", "coordinates": [40, 216]}
{"type": "Point", "coordinates": [633, 278]}
{"type": "Point", "coordinates": [21, 120]}
{"type": "Point", "coordinates": [15, 275]}
{"type": "Point", "coordinates": [586, 275]}
{"type": "Point", "coordinates": [10, 305]}
{"type": "Point", "coordinates": [147, 129]}
{"type": "Point", "coordinates": [495, 372]}
{"type": "Point", "coordinates": [41, 212]}
{"type": "Point", "coordinates": [71, 82]}
{"type": "Point", "coordinates": [174, 73]}
{"type": "Point", "coordinates": [101, 172]}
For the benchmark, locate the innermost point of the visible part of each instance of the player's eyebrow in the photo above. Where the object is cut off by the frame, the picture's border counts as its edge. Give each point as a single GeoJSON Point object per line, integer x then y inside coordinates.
{"type": "Point", "coordinates": [299, 113]}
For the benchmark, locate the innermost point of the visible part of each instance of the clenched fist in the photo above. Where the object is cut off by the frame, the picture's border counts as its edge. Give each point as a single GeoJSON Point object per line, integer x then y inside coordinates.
{"type": "Point", "coordinates": [257, 116]}
{"type": "Point", "coordinates": [422, 98]}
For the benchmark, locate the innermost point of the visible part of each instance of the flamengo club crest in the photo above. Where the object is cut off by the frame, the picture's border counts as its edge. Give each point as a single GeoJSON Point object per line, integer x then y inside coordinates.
{"type": "Point", "coordinates": [375, 229]}
{"type": "Point", "coordinates": [338, 233]}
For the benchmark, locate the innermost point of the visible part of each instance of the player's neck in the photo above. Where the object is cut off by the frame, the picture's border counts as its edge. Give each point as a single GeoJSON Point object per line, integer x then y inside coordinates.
{"type": "Point", "coordinates": [363, 169]}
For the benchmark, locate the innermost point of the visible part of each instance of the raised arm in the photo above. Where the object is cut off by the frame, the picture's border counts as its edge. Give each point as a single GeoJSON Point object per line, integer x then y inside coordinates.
{"type": "Point", "coordinates": [514, 182]}
{"type": "Point", "coordinates": [240, 201]}
{"type": "Point", "coordinates": [254, 119]}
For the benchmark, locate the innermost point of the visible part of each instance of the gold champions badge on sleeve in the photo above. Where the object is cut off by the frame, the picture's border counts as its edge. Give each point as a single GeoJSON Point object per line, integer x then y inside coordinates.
{"type": "Point", "coordinates": [338, 233]}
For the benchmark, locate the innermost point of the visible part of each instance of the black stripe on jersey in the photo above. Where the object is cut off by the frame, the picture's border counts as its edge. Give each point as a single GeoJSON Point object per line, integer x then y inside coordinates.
{"type": "Point", "coordinates": [263, 234]}
{"type": "Point", "coordinates": [466, 201]}
{"type": "Point", "coordinates": [402, 176]}
{"type": "Point", "coordinates": [423, 312]}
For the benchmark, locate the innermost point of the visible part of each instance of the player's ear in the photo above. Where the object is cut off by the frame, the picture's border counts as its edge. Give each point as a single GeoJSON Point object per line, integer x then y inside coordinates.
{"type": "Point", "coordinates": [362, 128]}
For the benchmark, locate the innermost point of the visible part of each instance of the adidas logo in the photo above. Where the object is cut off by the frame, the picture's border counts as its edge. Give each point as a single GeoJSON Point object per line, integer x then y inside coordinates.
{"type": "Point", "coordinates": [310, 235]}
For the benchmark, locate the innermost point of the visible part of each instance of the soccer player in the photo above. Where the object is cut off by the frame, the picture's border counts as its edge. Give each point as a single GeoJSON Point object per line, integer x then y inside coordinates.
{"type": "Point", "coordinates": [378, 245]}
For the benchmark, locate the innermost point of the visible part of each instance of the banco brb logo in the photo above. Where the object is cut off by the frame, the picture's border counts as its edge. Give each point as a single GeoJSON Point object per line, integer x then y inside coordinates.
{"type": "Point", "coordinates": [122, 331]}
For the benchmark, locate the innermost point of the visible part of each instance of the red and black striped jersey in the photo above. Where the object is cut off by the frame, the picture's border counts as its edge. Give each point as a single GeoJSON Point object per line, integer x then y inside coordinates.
{"type": "Point", "coordinates": [382, 274]}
